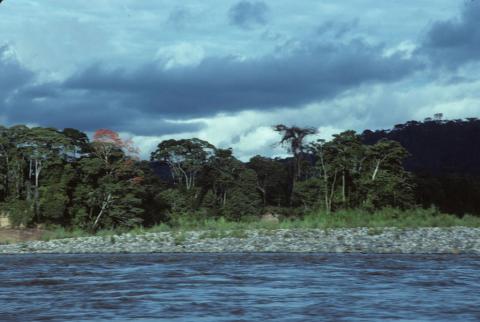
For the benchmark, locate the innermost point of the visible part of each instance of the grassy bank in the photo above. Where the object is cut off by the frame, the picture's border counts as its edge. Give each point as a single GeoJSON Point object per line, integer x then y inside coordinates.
{"type": "Point", "coordinates": [414, 218]}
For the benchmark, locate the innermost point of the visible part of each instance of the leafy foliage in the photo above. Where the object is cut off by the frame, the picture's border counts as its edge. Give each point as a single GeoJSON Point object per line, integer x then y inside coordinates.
{"type": "Point", "coordinates": [61, 178]}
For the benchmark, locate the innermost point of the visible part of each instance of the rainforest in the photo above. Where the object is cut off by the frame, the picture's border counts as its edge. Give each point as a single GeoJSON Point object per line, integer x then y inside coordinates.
{"type": "Point", "coordinates": [62, 178]}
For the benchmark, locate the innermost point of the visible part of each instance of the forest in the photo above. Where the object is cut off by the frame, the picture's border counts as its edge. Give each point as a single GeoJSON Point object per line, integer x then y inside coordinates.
{"type": "Point", "coordinates": [63, 178]}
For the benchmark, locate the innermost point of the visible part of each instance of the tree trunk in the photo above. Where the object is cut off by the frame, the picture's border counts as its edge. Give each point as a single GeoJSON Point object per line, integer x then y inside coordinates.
{"type": "Point", "coordinates": [7, 179]}
{"type": "Point", "coordinates": [36, 203]}
{"type": "Point", "coordinates": [186, 178]}
{"type": "Point", "coordinates": [332, 192]}
{"type": "Point", "coordinates": [105, 205]}
{"type": "Point", "coordinates": [36, 197]}
{"type": "Point", "coordinates": [325, 182]}
{"type": "Point", "coordinates": [375, 172]}
{"type": "Point", "coordinates": [298, 162]}
{"type": "Point", "coordinates": [294, 180]}
{"type": "Point", "coordinates": [264, 194]}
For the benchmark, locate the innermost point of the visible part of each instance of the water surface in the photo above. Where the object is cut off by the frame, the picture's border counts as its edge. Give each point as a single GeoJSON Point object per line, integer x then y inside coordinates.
{"type": "Point", "coordinates": [239, 287]}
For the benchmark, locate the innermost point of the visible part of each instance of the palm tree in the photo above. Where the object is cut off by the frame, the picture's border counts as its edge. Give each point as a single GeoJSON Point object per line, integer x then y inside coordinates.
{"type": "Point", "coordinates": [293, 138]}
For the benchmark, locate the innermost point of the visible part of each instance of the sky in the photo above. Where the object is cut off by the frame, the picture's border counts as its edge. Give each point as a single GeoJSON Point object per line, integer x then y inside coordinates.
{"type": "Point", "coordinates": [226, 71]}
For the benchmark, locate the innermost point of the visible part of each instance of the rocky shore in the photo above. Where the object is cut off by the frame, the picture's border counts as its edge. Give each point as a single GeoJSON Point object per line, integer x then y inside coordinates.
{"type": "Point", "coordinates": [456, 240]}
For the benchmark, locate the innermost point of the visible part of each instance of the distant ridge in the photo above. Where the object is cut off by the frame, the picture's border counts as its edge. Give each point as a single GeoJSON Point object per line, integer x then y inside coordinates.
{"type": "Point", "coordinates": [436, 146]}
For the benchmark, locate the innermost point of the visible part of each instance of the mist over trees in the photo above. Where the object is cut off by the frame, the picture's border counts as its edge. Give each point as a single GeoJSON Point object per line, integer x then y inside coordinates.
{"type": "Point", "coordinates": [54, 177]}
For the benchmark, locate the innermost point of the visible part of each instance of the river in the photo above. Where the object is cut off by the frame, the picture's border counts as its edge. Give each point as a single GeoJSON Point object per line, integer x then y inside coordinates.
{"type": "Point", "coordinates": [239, 287]}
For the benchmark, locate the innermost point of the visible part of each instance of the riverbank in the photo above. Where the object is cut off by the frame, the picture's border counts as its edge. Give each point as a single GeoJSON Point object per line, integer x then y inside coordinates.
{"type": "Point", "coordinates": [452, 240]}
{"type": "Point", "coordinates": [10, 235]}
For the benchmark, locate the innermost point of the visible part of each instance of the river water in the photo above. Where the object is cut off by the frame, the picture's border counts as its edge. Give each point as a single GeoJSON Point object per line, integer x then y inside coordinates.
{"type": "Point", "coordinates": [239, 287]}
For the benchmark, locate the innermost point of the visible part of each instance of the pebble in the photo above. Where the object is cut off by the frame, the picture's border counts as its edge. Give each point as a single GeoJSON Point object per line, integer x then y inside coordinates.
{"type": "Point", "coordinates": [456, 240]}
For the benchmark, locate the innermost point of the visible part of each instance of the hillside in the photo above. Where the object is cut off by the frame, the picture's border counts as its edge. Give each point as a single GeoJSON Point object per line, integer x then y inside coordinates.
{"type": "Point", "coordinates": [445, 159]}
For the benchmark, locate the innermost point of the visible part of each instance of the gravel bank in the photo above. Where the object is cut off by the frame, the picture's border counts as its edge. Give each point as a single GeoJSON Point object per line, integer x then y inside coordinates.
{"type": "Point", "coordinates": [358, 240]}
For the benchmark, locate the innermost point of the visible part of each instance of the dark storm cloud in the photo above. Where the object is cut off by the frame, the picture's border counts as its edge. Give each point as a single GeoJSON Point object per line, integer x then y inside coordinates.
{"type": "Point", "coordinates": [457, 41]}
{"type": "Point", "coordinates": [227, 84]}
{"type": "Point", "coordinates": [86, 111]}
{"type": "Point", "coordinates": [140, 99]}
{"type": "Point", "coordinates": [49, 104]}
{"type": "Point", "coordinates": [12, 74]}
{"type": "Point", "coordinates": [83, 116]}
{"type": "Point", "coordinates": [247, 14]}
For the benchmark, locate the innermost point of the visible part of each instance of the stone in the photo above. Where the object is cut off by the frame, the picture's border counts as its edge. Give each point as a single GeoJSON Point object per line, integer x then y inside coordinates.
{"type": "Point", "coordinates": [270, 218]}
{"type": "Point", "coordinates": [455, 240]}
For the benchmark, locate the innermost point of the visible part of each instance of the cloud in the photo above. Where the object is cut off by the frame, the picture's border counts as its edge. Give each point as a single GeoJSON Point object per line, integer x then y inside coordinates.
{"type": "Point", "coordinates": [70, 109]}
{"type": "Point", "coordinates": [452, 43]}
{"type": "Point", "coordinates": [335, 29]}
{"type": "Point", "coordinates": [248, 14]}
{"type": "Point", "coordinates": [376, 106]}
{"type": "Point", "coordinates": [24, 100]}
{"type": "Point", "coordinates": [179, 17]}
{"type": "Point", "coordinates": [317, 67]}
{"type": "Point", "coordinates": [183, 85]}
{"type": "Point", "coordinates": [228, 84]}
{"type": "Point", "coordinates": [12, 74]}
{"type": "Point", "coordinates": [180, 54]}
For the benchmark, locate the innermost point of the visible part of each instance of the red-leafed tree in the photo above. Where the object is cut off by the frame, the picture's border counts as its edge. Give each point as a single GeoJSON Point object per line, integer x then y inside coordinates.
{"type": "Point", "coordinates": [117, 195]}
{"type": "Point", "coordinates": [108, 146]}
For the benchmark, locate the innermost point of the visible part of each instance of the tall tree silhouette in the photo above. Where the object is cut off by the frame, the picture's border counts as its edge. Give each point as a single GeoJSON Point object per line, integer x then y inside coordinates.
{"type": "Point", "coordinates": [293, 138]}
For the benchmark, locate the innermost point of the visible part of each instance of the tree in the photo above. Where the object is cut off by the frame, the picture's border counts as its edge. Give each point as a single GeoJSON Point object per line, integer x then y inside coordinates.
{"type": "Point", "coordinates": [56, 192]}
{"type": "Point", "coordinates": [354, 174]}
{"type": "Point", "coordinates": [5, 152]}
{"type": "Point", "coordinates": [386, 181]}
{"type": "Point", "coordinates": [307, 192]}
{"type": "Point", "coordinates": [16, 163]}
{"type": "Point", "coordinates": [272, 179]}
{"type": "Point", "coordinates": [242, 200]}
{"type": "Point", "coordinates": [79, 140]}
{"type": "Point", "coordinates": [233, 186]}
{"type": "Point", "coordinates": [41, 146]}
{"type": "Point", "coordinates": [155, 208]}
{"type": "Point", "coordinates": [111, 184]}
{"type": "Point", "coordinates": [109, 147]}
{"type": "Point", "coordinates": [186, 158]}
{"type": "Point", "coordinates": [293, 137]}
{"type": "Point", "coordinates": [225, 169]}
{"type": "Point", "coordinates": [327, 172]}
{"type": "Point", "coordinates": [387, 155]}
{"type": "Point", "coordinates": [347, 154]}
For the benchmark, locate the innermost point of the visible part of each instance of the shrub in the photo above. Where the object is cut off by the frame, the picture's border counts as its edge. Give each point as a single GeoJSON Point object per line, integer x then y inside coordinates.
{"type": "Point", "coordinates": [20, 212]}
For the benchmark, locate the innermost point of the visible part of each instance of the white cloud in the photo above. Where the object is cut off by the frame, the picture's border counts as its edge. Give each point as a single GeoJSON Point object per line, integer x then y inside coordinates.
{"type": "Point", "coordinates": [405, 49]}
{"type": "Point", "coordinates": [370, 107]}
{"type": "Point", "coordinates": [54, 37]}
{"type": "Point", "coordinates": [180, 54]}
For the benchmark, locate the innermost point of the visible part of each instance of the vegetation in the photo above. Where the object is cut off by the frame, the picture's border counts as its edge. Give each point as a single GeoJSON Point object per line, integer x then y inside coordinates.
{"type": "Point", "coordinates": [444, 159]}
{"type": "Point", "coordinates": [63, 179]}
{"type": "Point", "coordinates": [222, 228]}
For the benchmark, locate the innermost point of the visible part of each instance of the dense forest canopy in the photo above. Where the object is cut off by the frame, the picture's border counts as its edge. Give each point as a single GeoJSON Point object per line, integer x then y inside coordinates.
{"type": "Point", "coordinates": [445, 159]}
{"type": "Point", "coordinates": [48, 176]}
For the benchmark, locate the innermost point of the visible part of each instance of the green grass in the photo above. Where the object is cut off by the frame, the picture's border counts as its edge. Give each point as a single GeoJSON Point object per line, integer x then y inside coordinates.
{"type": "Point", "coordinates": [413, 218]}
{"type": "Point", "coordinates": [222, 228]}
{"type": "Point", "coordinates": [61, 232]}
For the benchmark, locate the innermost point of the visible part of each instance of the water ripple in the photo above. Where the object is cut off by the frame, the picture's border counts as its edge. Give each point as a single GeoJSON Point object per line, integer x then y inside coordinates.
{"type": "Point", "coordinates": [239, 287]}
